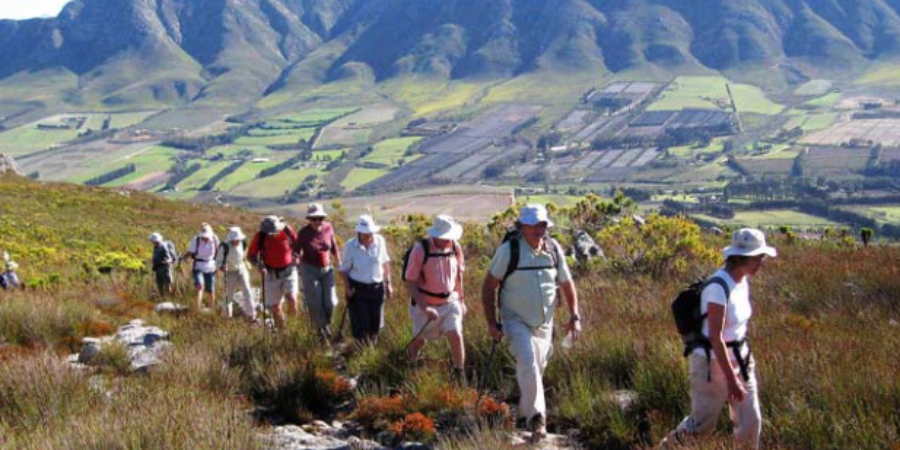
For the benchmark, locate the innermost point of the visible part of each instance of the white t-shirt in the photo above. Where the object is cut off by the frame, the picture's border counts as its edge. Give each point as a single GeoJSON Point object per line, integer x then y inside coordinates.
{"type": "Point", "coordinates": [737, 308]}
{"type": "Point", "coordinates": [362, 264]}
{"type": "Point", "coordinates": [204, 252]}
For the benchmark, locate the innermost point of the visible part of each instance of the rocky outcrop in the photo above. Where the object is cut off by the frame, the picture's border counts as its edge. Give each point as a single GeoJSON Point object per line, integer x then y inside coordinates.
{"type": "Point", "coordinates": [8, 165]}
{"type": "Point", "coordinates": [144, 345]}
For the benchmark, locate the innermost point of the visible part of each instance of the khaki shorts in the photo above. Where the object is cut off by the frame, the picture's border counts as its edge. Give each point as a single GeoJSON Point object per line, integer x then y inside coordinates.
{"type": "Point", "coordinates": [277, 287]}
{"type": "Point", "coordinates": [450, 319]}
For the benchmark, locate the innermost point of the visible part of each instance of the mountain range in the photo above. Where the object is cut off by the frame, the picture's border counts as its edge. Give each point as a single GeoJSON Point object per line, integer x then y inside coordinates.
{"type": "Point", "coordinates": [231, 53]}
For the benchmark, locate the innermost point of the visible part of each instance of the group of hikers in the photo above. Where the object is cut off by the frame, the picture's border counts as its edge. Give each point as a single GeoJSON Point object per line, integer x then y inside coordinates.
{"type": "Point", "coordinates": [519, 297]}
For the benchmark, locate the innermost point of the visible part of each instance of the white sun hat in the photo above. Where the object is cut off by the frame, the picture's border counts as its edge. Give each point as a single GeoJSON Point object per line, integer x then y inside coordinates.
{"type": "Point", "coordinates": [156, 238]}
{"type": "Point", "coordinates": [534, 214]}
{"type": "Point", "coordinates": [315, 210]}
{"type": "Point", "coordinates": [749, 242]}
{"type": "Point", "coordinates": [206, 231]}
{"type": "Point", "coordinates": [366, 224]}
{"type": "Point", "coordinates": [445, 227]}
{"type": "Point", "coordinates": [235, 234]}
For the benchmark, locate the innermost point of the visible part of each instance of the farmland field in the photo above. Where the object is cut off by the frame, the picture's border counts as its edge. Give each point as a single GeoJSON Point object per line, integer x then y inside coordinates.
{"type": "Point", "coordinates": [767, 166]}
{"type": "Point", "coordinates": [705, 173]}
{"type": "Point", "coordinates": [883, 214]}
{"type": "Point", "coordinates": [355, 128]}
{"type": "Point", "coordinates": [199, 178]}
{"type": "Point", "coordinates": [773, 218]}
{"type": "Point", "coordinates": [390, 151]}
{"type": "Point", "coordinates": [245, 174]}
{"type": "Point", "coordinates": [360, 176]}
{"type": "Point", "coordinates": [148, 161]}
{"type": "Point", "coordinates": [286, 138]}
{"type": "Point", "coordinates": [814, 87]}
{"type": "Point", "coordinates": [812, 121]}
{"type": "Point", "coordinates": [824, 102]}
{"type": "Point", "coordinates": [882, 131]}
{"type": "Point", "coordinates": [710, 93]}
{"type": "Point", "coordinates": [275, 185]}
{"type": "Point", "coordinates": [835, 161]}
{"type": "Point", "coordinates": [28, 138]}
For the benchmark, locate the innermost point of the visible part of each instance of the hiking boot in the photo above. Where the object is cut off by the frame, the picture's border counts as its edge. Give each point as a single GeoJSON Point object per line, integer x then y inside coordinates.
{"type": "Point", "coordinates": [538, 428]}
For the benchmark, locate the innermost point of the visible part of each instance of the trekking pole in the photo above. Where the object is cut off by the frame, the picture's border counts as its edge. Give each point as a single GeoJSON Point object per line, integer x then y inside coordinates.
{"type": "Point", "coordinates": [226, 302]}
{"type": "Point", "coordinates": [339, 337]}
{"type": "Point", "coordinates": [488, 366]}
{"type": "Point", "coordinates": [419, 334]}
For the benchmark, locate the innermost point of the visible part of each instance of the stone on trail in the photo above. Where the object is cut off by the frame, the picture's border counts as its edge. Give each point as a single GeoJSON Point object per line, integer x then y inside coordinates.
{"type": "Point", "coordinates": [144, 344]}
{"type": "Point", "coordinates": [292, 437]}
{"type": "Point", "coordinates": [170, 308]}
{"type": "Point", "coordinates": [522, 440]}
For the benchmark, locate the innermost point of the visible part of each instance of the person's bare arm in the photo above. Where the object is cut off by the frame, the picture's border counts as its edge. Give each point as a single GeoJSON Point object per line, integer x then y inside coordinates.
{"type": "Point", "coordinates": [571, 296]}
{"type": "Point", "coordinates": [716, 318]}
{"type": "Point", "coordinates": [489, 302]}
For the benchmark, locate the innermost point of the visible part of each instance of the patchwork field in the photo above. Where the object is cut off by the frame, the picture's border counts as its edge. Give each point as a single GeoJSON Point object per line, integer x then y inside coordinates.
{"type": "Point", "coordinates": [882, 131]}
{"type": "Point", "coordinates": [390, 151]}
{"type": "Point", "coordinates": [710, 92]}
{"type": "Point", "coordinates": [39, 135]}
{"type": "Point", "coordinates": [772, 219]}
{"type": "Point", "coordinates": [883, 214]}
{"type": "Point", "coordinates": [835, 162]}
{"type": "Point", "coordinates": [149, 161]}
{"type": "Point", "coordinates": [359, 176]}
{"type": "Point", "coordinates": [275, 185]}
{"type": "Point", "coordinates": [355, 129]}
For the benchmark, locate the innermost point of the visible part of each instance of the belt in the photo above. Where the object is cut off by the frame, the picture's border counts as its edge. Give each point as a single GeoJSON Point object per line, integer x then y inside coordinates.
{"type": "Point", "coordinates": [365, 286]}
{"type": "Point", "coordinates": [443, 295]}
{"type": "Point", "coordinates": [278, 272]}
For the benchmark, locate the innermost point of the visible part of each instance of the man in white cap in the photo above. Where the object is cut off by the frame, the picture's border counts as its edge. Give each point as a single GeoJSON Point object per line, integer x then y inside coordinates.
{"type": "Point", "coordinates": [434, 275]}
{"type": "Point", "coordinates": [231, 260]}
{"type": "Point", "coordinates": [722, 369]}
{"type": "Point", "coordinates": [272, 250]}
{"type": "Point", "coordinates": [527, 269]}
{"type": "Point", "coordinates": [163, 259]}
{"type": "Point", "coordinates": [365, 268]}
{"type": "Point", "coordinates": [202, 250]}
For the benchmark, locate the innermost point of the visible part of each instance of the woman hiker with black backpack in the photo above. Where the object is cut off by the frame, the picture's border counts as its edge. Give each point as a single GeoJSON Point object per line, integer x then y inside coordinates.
{"type": "Point", "coordinates": [721, 366]}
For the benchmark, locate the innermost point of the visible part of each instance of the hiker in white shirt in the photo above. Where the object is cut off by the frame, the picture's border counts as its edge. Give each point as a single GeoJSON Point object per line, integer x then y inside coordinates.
{"type": "Point", "coordinates": [232, 261]}
{"type": "Point", "coordinates": [365, 268]}
{"type": "Point", "coordinates": [723, 370]}
{"type": "Point", "coordinates": [202, 250]}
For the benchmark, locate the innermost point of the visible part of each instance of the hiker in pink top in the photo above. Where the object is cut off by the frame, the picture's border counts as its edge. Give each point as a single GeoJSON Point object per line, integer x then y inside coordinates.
{"type": "Point", "coordinates": [434, 277]}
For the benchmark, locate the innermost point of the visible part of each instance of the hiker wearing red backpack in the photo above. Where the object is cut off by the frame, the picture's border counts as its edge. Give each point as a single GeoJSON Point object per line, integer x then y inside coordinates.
{"type": "Point", "coordinates": [722, 369]}
{"type": "Point", "coordinates": [316, 246]}
{"type": "Point", "coordinates": [527, 269]}
{"type": "Point", "coordinates": [433, 271]}
{"type": "Point", "coordinates": [272, 250]}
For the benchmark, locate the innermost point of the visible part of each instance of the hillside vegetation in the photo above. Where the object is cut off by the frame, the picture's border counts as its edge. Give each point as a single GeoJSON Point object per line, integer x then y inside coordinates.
{"type": "Point", "coordinates": [824, 333]}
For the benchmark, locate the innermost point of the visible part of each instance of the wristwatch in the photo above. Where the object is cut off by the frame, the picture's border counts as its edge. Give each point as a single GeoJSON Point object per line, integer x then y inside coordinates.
{"type": "Point", "coordinates": [575, 318]}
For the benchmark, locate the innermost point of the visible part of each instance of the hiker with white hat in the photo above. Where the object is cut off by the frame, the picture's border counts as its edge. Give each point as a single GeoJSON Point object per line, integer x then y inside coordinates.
{"type": "Point", "coordinates": [723, 369]}
{"type": "Point", "coordinates": [9, 279]}
{"type": "Point", "coordinates": [527, 269]}
{"type": "Point", "coordinates": [202, 250]}
{"type": "Point", "coordinates": [317, 246]}
{"type": "Point", "coordinates": [365, 268]}
{"type": "Point", "coordinates": [272, 251]}
{"type": "Point", "coordinates": [231, 260]}
{"type": "Point", "coordinates": [163, 260]}
{"type": "Point", "coordinates": [433, 270]}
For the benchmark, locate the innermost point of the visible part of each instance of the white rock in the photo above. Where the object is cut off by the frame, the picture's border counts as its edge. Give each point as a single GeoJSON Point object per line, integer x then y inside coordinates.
{"type": "Point", "coordinates": [170, 308]}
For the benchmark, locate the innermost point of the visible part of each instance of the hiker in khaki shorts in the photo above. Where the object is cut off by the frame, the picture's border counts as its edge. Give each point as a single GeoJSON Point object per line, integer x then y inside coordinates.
{"type": "Point", "coordinates": [434, 277]}
{"type": "Point", "coordinates": [528, 300]}
{"type": "Point", "coordinates": [271, 248]}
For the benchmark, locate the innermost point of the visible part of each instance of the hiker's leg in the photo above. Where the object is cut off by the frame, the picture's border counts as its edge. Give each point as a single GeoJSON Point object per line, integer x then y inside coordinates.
{"type": "Point", "coordinates": [746, 415]}
{"type": "Point", "coordinates": [358, 311]}
{"type": "Point", "coordinates": [289, 283]}
{"type": "Point", "coordinates": [708, 396]}
{"type": "Point", "coordinates": [423, 329]}
{"type": "Point", "coordinates": [375, 314]}
{"type": "Point", "coordinates": [198, 286]}
{"type": "Point", "coordinates": [273, 295]}
{"type": "Point", "coordinates": [277, 314]}
{"type": "Point", "coordinates": [451, 325]}
{"type": "Point", "coordinates": [329, 294]}
{"type": "Point", "coordinates": [311, 301]}
{"type": "Point", "coordinates": [525, 350]}
{"type": "Point", "coordinates": [248, 304]}
{"type": "Point", "coordinates": [457, 350]}
{"type": "Point", "coordinates": [209, 283]}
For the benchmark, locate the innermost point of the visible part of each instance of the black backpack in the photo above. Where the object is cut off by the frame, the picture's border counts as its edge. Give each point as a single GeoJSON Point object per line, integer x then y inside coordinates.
{"type": "Point", "coordinates": [513, 237]}
{"type": "Point", "coordinates": [686, 309]}
{"type": "Point", "coordinates": [424, 243]}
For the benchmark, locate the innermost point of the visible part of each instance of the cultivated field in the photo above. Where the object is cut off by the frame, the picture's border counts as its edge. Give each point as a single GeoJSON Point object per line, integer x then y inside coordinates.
{"type": "Point", "coordinates": [835, 162]}
{"type": "Point", "coordinates": [882, 131]}
{"type": "Point", "coordinates": [775, 218]}
{"type": "Point", "coordinates": [355, 129]}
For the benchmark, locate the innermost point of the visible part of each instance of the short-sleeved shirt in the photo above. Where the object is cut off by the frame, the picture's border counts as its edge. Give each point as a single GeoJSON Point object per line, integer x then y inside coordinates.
{"type": "Point", "coordinates": [737, 306]}
{"type": "Point", "coordinates": [316, 246]}
{"type": "Point", "coordinates": [439, 274]}
{"type": "Point", "coordinates": [365, 265]}
{"type": "Point", "coordinates": [277, 251]}
{"type": "Point", "coordinates": [204, 251]}
{"type": "Point", "coordinates": [530, 295]}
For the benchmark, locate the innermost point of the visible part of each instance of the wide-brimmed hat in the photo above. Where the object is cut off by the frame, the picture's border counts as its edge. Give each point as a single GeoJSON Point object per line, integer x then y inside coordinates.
{"type": "Point", "coordinates": [315, 210]}
{"type": "Point", "coordinates": [445, 227]}
{"type": "Point", "coordinates": [235, 234]}
{"type": "Point", "coordinates": [12, 265]}
{"type": "Point", "coordinates": [206, 231]}
{"type": "Point", "coordinates": [156, 238]}
{"type": "Point", "coordinates": [748, 242]}
{"type": "Point", "coordinates": [366, 224]}
{"type": "Point", "coordinates": [534, 214]}
{"type": "Point", "coordinates": [271, 225]}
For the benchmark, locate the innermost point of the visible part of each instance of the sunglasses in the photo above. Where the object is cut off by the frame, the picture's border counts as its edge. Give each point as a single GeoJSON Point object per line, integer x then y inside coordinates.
{"type": "Point", "coordinates": [315, 219]}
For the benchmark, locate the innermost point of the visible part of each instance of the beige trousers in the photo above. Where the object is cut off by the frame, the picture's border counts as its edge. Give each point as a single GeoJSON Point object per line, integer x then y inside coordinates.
{"type": "Point", "coordinates": [531, 348]}
{"type": "Point", "coordinates": [707, 400]}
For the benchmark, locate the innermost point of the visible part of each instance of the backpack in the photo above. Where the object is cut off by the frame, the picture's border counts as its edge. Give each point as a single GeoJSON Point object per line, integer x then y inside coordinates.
{"type": "Point", "coordinates": [170, 248]}
{"type": "Point", "coordinates": [424, 243]}
{"type": "Point", "coordinates": [513, 237]}
{"type": "Point", "coordinates": [261, 238]}
{"type": "Point", "coordinates": [686, 310]}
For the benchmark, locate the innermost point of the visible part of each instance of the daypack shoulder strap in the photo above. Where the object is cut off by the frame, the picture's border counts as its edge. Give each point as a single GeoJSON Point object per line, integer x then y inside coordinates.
{"type": "Point", "coordinates": [721, 282]}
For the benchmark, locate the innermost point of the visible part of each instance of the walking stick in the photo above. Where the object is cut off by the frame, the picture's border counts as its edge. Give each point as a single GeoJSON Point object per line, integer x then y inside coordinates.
{"type": "Point", "coordinates": [488, 365]}
{"type": "Point", "coordinates": [419, 334]}
{"type": "Point", "coordinates": [339, 337]}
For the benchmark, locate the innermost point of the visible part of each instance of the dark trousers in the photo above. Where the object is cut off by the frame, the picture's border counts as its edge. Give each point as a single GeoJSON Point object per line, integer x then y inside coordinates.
{"type": "Point", "coordinates": [366, 310]}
